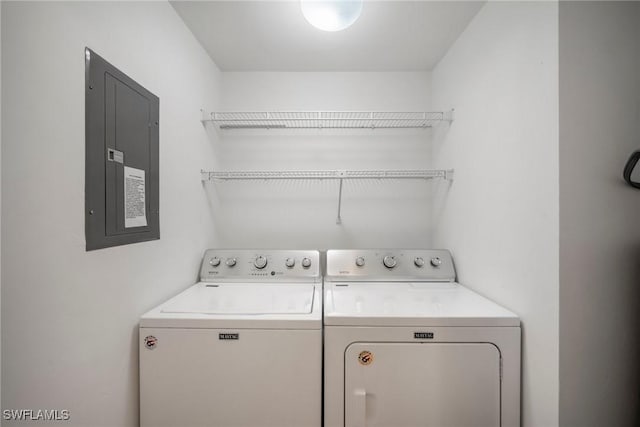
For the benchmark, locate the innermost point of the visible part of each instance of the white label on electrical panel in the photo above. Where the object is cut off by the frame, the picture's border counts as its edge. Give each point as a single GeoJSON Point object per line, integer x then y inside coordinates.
{"type": "Point", "coordinates": [134, 198]}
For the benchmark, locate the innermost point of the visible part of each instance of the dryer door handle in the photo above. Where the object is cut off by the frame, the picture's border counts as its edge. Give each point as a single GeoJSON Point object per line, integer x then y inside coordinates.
{"type": "Point", "coordinates": [359, 408]}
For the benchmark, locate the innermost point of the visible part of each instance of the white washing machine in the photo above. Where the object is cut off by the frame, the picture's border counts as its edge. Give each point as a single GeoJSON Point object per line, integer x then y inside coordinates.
{"type": "Point", "coordinates": [407, 346]}
{"type": "Point", "coordinates": [241, 348]}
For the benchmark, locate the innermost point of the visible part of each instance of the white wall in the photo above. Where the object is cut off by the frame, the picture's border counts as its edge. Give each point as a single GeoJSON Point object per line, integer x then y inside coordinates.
{"type": "Point", "coordinates": [500, 215]}
{"type": "Point", "coordinates": [303, 214]}
{"type": "Point", "coordinates": [599, 232]}
{"type": "Point", "coordinates": [69, 317]}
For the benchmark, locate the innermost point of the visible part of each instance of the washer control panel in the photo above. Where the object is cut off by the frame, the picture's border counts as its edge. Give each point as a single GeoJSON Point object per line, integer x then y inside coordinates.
{"type": "Point", "coordinates": [261, 265]}
{"type": "Point", "coordinates": [424, 265]}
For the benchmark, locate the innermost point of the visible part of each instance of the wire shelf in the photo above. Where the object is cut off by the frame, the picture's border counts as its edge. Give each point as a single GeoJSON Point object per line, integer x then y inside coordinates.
{"type": "Point", "coordinates": [327, 120]}
{"type": "Point", "coordinates": [340, 175]}
{"type": "Point", "coordinates": [328, 174]}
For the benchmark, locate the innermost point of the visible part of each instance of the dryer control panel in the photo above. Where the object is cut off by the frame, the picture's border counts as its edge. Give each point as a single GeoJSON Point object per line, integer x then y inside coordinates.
{"type": "Point", "coordinates": [402, 265]}
{"type": "Point", "coordinates": [260, 265]}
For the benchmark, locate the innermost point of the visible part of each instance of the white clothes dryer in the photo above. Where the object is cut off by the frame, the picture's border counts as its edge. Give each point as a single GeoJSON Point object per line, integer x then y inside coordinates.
{"type": "Point", "coordinates": [241, 348]}
{"type": "Point", "coordinates": [407, 346]}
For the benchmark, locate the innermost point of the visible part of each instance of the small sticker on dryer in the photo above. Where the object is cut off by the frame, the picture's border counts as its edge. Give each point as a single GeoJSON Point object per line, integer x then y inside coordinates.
{"type": "Point", "coordinates": [150, 342]}
{"type": "Point", "coordinates": [365, 358]}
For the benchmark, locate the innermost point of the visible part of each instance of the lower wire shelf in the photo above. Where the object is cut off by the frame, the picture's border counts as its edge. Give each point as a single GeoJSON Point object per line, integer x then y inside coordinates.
{"type": "Point", "coordinates": [328, 174]}
{"type": "Point", "coordinates": [341, 175]}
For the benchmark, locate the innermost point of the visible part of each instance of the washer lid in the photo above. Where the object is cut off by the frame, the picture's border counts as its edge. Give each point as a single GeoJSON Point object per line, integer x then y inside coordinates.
{"type": "Point", "coordinates": [249, 299]}
{"type": "Point", "coordinates": [411, 304]}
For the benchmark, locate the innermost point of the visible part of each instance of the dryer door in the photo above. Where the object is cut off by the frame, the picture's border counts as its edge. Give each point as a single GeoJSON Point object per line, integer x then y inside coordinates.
{"type": "Point", "coordinates": [422, 384]}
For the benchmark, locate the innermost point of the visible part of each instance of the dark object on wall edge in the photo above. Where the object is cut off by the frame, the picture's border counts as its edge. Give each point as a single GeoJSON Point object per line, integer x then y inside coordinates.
{"type": "Point", "coordinates": [632, 170]}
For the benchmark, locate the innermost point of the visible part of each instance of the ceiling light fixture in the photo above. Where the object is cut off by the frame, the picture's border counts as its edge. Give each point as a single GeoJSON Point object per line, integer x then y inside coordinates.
{"type": "Point", "coordinates": [331, 15]}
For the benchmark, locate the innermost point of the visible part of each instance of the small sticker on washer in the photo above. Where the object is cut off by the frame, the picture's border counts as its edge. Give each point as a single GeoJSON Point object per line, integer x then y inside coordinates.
{"type": "Point", "coordinates": [229, 336]}
{"type": "Point", "coordinates": [365, 358]}
{"type": "Point", "coordinates": [150, 342]}
{"type": "Point", "coordinates": [423, 335]}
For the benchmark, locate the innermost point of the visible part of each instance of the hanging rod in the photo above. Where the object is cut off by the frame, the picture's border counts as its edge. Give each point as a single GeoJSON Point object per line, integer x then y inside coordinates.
{"type": "Point", "coordinates": [326, 119]}
{"type": "Point", "coordinates": [341, 175]}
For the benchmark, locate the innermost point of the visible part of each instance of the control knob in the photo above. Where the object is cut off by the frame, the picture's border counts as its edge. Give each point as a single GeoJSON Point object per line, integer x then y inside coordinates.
{"type": "Point", "coordinates": [389, 261]}
{"type": "Point", "coordinates": [360, 261]}
{"type": "Point", "coordinates": [260, 262]}
{"type": "Point", "coordinates": [436, 262]}
{"type": "Point", "coordinates": [419, 262]}
{"type": "Point", "coordinates": [290, 262]}
{"type": "Point", "coordinates": [231, 262]}
{"type": "Point", "coordinates": [306, 262]}
{"type": "Point", "coordinates": [215, 261]}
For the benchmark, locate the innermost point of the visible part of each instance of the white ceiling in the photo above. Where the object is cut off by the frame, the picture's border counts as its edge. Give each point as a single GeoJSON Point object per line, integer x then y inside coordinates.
{"type": "Point", "coordinates": [274, 36]}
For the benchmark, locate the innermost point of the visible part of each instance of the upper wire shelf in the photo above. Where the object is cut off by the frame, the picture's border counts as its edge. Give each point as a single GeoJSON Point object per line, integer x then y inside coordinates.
{"type": "Point", "coordinates": [326, 119]}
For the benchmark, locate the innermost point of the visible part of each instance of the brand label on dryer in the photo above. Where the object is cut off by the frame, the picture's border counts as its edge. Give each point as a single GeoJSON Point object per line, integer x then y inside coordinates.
{"type": "Point", "coordinates": [423, 335]}
{"type": "Point", "coordinates": [229, 336]}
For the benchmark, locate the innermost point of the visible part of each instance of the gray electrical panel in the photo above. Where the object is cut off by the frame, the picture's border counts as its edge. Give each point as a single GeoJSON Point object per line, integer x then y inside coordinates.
{"type": "Point", "coordinates": [122, 159]}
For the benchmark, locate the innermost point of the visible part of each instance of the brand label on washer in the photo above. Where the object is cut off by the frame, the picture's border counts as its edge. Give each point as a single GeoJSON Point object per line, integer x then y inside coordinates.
{"type": "Point", "coordinates": [234, 336]}
{"type": "Point", "coordinates": [365, 358]}
{"type": "Point", "coordinates": [423, 335]}
{"type": "Point", "coordinates": [150, 342]}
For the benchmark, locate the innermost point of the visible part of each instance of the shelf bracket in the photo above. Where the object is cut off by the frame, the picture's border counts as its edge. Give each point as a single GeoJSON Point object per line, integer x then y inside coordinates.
{"type": "Point", "coordinates": [206, 117]}
{"type": "Point", "coordinates": [338, 218]}
{"type": "Point", "coordinates": [449, 116]}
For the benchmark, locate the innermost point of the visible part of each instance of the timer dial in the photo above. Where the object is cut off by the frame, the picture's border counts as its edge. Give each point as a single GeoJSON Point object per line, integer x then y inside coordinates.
{"type": "Point", "coordinates": [260, 262]}
{"type": "Point", "coordinates": [389, 261]}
